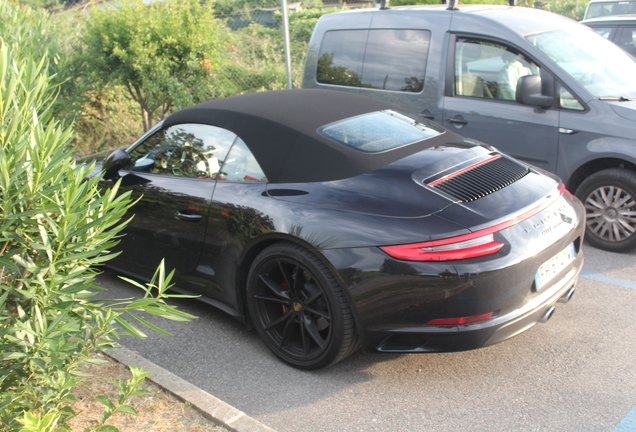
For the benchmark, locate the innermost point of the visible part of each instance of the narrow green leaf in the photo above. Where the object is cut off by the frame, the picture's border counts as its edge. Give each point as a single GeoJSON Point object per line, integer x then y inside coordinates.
{"type": "Point", "coordinates": [150, 325]}
{"type": "Point", "coordinates": [129, 328]}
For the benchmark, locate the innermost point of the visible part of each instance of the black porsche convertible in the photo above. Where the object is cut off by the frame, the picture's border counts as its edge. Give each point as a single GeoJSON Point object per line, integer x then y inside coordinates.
{"type": "Point", "coordinates": [329, 221]}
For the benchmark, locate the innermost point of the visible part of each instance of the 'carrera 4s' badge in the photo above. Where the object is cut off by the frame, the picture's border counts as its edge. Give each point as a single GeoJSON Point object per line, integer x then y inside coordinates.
{"type": "Point", "coordinates": [556, 221]}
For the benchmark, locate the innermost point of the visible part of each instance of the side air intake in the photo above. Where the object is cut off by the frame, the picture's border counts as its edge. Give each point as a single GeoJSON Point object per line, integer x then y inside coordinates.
{"type": "Point", "coordinates": [481, 179]}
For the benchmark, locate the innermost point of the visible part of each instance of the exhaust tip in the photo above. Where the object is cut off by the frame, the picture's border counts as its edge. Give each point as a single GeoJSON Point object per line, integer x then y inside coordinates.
{"type": "Point", "coordinates": [548, 314]}
{"type": "Point", "coordinates": [567, 296]}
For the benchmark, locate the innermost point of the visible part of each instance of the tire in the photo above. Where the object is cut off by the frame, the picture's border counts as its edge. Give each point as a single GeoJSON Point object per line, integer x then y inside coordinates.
{"type": "Point", "coordinates": [299, 309]}
{"type": "Point", "coordinates": [609, 197]}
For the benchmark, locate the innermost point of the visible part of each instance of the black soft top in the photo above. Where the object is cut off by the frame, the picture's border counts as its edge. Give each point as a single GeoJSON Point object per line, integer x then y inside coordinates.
{"type": "Point", "coordinates": [280, 128]}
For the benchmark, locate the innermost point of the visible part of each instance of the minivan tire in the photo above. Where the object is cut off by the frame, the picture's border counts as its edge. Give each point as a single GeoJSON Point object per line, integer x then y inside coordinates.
{"type": "Point", "coordinates": [609, 197]}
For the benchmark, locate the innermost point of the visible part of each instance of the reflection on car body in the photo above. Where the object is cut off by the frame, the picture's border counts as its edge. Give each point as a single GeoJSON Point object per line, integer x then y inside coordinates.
{"type": "Point", "coordinates": [329, 221]}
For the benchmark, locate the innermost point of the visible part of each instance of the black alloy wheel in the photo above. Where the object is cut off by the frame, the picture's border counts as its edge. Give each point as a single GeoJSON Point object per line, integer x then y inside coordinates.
{"type": "Point", "coordinates": [609, 197]}
{"type": "Point", "coordinates": [299, 309]}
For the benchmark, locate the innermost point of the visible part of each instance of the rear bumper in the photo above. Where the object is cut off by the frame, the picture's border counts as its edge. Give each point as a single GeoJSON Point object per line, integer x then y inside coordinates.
{"type": "Point", "coordinates": [472, 336]}
{"type": "Point", "coordinates": [393, 301]}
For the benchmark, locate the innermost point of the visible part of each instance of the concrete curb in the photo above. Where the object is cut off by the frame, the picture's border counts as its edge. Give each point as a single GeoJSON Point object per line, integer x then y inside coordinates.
{"type": "Point", "coordinates": [212, 408]}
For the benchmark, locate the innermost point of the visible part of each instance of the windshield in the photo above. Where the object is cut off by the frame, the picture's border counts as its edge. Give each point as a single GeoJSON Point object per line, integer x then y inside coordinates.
{"type": "Point", "coordinates": [601, 9]}
{"type": "Point", "coordinates": [601, 67]}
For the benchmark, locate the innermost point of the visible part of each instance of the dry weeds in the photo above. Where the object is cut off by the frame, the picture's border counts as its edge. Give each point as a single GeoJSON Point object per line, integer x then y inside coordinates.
{"type": "Point", "coordinates": [158, 410]}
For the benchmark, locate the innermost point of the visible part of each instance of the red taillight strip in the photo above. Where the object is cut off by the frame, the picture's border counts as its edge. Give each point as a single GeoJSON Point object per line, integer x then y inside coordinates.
{"type": "Point", "coordinates": [462, 320]}
{"type": "Point", "coordinates": [417, 252]}
{"type": "Point", "coordinates": [449, 176]}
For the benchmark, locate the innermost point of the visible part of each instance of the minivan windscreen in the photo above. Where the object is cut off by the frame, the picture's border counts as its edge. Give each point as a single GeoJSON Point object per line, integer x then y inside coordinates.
{"type": "Point", "coordinates": [597, 64]}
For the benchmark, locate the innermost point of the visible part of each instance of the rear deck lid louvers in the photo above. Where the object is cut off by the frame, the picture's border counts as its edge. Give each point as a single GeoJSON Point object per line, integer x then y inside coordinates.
{"type": "Point", "coordinates": [480, 179]}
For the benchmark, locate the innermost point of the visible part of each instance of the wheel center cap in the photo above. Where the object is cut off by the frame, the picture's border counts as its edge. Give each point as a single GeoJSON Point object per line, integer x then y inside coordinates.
{"type": "Point", "coordinates": [297, 307]}
{"type": "Point", "coordinates": [611, 213]}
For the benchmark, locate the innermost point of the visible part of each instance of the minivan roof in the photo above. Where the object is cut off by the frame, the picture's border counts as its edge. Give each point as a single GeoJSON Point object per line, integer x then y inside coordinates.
{"type": "Point", "coordinates": [520, 20]}
{"type": "Point", "coordinates": [611, 18]}
{"type": "Point", "coordinates": [609, 1]}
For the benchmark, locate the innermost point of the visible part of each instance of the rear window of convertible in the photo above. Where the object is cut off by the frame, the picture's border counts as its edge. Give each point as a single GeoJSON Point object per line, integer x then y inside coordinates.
{"type": "Point", "coordinates": [380, 131]}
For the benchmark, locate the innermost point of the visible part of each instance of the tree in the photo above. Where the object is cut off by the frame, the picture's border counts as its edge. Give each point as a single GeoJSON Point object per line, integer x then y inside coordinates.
{"type": "Point", "coordinates": [164, 53]}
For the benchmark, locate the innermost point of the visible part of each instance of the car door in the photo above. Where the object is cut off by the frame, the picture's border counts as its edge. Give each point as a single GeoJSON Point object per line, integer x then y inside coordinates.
{"type": "Point", "coordinates": [172, 176]}
{"type": "Point", "coordinates": [236, 217]}
{"type": "Point", "coordinates": [479, 101]}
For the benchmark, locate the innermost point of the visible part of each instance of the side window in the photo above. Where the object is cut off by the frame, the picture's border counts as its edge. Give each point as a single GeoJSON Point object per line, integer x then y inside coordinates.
{"type": "Point", "coordinates": [606, 32]}
{"type": "Point", "coordinates": [489, 70]}
{"type": "Point", "coordinates": [380, 59]}
{"type": "Point", "coordinates": [568, 101]}
{"type": "Point", "coordinates": [396, 60]}
{"type": "Point", "coordinates": [241, 165]}
{"type": "Point", "coordinates": [185, 150]}
{"type": "Point", "coordinates": [340, 58]}
{"type": "Point", "coordinates": [627, 40]}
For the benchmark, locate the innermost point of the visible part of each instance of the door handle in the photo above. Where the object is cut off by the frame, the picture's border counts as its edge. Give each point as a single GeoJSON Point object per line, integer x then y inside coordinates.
{"type": "Point", "coordinates": [188, 217]}
{"type": "Point", "coordinates": [427, 114]}
{"type": "Point", "coordinates": [457, 121]}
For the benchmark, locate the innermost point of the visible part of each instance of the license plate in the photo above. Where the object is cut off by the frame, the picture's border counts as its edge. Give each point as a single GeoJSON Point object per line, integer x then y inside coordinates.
{"type": "Point", "coordinates": [553, 266]}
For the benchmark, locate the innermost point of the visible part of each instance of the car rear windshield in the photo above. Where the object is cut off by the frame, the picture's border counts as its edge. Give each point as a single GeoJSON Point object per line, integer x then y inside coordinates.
{"type": "Point", "coordinates": [607, 8]}
{"type": "Point", "coordinates": [380, 131]}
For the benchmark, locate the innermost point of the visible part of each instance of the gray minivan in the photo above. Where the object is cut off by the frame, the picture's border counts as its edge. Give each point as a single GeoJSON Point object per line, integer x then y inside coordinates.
{"type": "Point", "coordinates": [537, 85]}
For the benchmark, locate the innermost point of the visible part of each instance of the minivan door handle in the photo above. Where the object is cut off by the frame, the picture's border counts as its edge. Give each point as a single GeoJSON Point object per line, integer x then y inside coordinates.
{"type": "Point", "coordinates": [427, 114]}
{"type": "Point", "coordinates": [457, 120]}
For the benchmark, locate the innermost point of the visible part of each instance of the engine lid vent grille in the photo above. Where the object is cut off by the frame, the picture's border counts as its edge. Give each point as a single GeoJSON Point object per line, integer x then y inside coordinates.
{"type": "Point", "coordinates": [481, 179]}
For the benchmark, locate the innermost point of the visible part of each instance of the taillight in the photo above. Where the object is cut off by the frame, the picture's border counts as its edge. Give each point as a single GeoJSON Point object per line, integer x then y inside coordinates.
{"type": "Point", "coordinates": [454, 248]}
{"type": "Point", "coordinates": [462, 320]}
{"type": "Point", "coordinates": [472, 245]}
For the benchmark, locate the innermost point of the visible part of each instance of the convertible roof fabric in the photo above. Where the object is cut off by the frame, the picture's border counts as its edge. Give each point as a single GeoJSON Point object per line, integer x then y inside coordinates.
{"type": "Point", "coordinates": [280, 128]}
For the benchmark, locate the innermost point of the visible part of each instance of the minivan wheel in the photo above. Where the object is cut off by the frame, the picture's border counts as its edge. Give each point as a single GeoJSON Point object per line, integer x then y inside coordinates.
{"type": "Point", "coordinates": [609, 197]}
{"type": "Point", "coordinates": [298, 308]}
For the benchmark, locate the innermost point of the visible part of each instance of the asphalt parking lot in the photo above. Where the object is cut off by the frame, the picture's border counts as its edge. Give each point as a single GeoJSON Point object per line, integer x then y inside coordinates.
{"type": "Point", "coordinates": [575, 373]}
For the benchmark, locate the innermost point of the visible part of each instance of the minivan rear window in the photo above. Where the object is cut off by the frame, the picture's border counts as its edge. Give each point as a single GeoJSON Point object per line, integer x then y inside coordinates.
{"type": "Point", "coordinates": [358, 58]}
{"type": "Point", "coordinates": [380, 131]}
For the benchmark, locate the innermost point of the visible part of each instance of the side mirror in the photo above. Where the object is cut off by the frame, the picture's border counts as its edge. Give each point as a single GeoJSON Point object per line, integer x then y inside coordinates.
{"type": "Point", "coordinates": [529, 92]}
{"type": "Point", "coordinates": [116, 161]}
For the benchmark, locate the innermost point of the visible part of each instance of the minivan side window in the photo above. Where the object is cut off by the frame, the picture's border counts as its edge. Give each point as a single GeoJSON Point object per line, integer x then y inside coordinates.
{"type": "Point", "coordinates": [358, 58]}
{"type": "Point", "coordinates": [567, 100]}
{"type": "Point", "coordinates": [489, 70]}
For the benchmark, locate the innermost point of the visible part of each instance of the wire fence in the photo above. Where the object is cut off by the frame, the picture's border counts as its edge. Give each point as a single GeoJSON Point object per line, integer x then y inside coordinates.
{"type": "Point", "coordinates": [257, 58]}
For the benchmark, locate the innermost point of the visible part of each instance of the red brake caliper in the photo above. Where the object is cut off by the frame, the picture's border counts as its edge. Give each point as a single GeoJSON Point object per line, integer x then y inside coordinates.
{"type": "Point", "coordinates": [284, 285]}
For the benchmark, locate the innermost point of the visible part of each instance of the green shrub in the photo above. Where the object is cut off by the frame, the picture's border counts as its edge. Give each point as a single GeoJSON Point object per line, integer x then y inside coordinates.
{"type": "Point", "coordinates": [569, 8]}
{"type": "Point", "coordinates": [163, 53]}
{"type": "Point", "coordinates": [108, 119]}
{"type": "Point", "coordinates": [55, 227]}
{"type": "Point", "coordinates": [30, 33]}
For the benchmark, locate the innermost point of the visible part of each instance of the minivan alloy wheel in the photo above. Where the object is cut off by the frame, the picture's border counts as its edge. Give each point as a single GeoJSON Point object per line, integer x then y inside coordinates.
{"type": "Point", "coordinates": [609, 197]}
